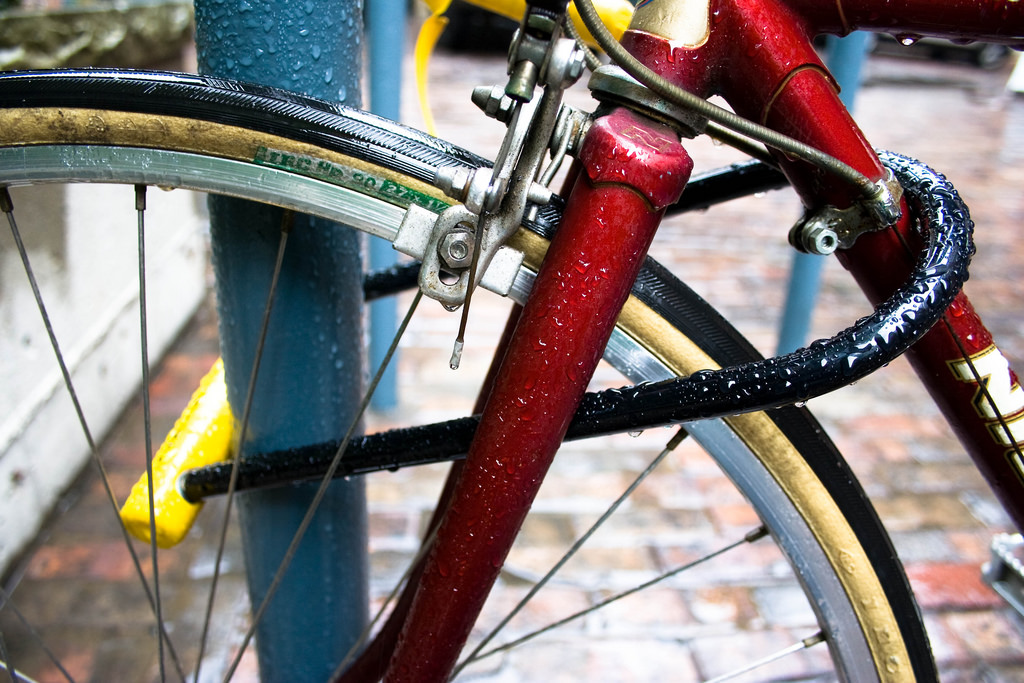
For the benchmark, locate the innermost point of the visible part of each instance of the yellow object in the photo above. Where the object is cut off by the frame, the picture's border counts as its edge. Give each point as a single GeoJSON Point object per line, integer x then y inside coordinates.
{"type": "Point", "coordinates": [201, 436]}
{"type": "Point", "coordinates": [616, 15]}
{"type": "Point", "coordinates": [425, 42]}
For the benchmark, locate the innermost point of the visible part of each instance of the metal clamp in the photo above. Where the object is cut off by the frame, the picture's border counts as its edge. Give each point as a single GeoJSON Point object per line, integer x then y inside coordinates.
{"type": "Point", "coordinates": [444, 243]}
{"type": "Point", "coordinates": [827, 229]}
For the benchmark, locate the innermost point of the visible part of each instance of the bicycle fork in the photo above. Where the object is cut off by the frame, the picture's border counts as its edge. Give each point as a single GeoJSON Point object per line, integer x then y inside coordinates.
{"type": "Point", "coordinates": [632, 168]}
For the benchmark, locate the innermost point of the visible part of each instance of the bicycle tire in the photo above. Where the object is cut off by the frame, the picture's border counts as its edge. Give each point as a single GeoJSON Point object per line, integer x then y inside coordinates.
{"type": "Point", "coordinates": [345, 165]}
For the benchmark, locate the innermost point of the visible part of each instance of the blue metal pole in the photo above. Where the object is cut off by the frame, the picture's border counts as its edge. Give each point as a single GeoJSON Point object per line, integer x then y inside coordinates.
{"type": "Point", "coordinates": [311, 374]}
{"type": "Point", "coordinates": [845, 59]}
{"type": "Point", "coordinates": [385, 21]}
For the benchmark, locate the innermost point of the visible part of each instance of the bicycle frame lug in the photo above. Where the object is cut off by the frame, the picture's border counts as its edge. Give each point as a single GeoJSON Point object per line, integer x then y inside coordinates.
{"type": "Point", "coordinates": [686, 23]}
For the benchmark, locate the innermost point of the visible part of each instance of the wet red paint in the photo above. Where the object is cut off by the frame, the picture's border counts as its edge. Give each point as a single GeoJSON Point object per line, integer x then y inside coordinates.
{"type": "Point", "coordinates": [782, 84]}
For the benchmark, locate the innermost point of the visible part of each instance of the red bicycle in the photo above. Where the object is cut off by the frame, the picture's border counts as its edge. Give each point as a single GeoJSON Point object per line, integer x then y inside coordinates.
{"type": "Point", "coordinates": [586, 291]}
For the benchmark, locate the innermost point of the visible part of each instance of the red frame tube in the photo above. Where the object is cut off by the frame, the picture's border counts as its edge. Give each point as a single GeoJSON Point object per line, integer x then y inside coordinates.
{"type": "Point", "coordinates": [993, 21]}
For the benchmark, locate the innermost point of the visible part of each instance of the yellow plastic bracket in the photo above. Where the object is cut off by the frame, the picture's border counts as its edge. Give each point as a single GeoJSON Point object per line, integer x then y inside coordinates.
{"type": "Point", "coordinates": [201, 436]}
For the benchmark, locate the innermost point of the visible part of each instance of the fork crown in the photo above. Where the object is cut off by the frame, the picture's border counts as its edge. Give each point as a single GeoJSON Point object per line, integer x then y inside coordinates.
{"type": "Point", "coordinates": [627, 148]}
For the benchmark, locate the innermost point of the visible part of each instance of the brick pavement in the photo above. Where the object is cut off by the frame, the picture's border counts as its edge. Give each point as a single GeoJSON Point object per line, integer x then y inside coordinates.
{"type": "Point", "coordinates": [939, 512]}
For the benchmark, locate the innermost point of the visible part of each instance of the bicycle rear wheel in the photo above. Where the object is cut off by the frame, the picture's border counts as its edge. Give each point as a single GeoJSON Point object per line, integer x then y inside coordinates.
{"type": "Point", "coordinates": [183, 131]}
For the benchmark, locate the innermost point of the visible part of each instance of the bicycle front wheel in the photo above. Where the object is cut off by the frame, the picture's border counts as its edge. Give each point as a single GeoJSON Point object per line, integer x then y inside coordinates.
{"type": "Point", "coordinates": [190, 132]}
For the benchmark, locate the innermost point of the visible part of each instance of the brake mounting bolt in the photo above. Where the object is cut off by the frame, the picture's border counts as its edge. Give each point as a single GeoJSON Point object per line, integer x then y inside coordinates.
{"type": "Point", "coordinates": [456, 249]}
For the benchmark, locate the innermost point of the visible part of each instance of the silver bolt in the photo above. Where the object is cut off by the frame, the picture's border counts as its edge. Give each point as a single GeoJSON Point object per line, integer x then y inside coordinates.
{"type": "Point", "coordinates": [819, 238]}
{"type": "Point", "coordinates": [456, 249]}
{"type": "Point", "coordinates": [577, 64]}
{"type": "Point", "coordinates": [493, 102]}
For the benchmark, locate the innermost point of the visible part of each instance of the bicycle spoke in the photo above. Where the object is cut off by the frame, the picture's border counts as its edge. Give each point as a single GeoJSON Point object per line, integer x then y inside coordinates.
{"type": "Point", "coordinates": [140, 210]}
{"type": "Point", "coordinates": [5, 660]}
{"type": "Point", "coordinates": [322, 490]}
{"type": "Point", "coordinates": [15, 676]}
{"type": "Point", "coordinates": [751, 537]}
{"type": "Point", "coordinates": [804, 644]}
{"type": "Point", "coordinates": [7, 206]}
{"type": "Point", "coordinates": [287, 220]}
{"type": "Point", "coordinates": [779, 464]}
{"type": "Point", "coordinates": [669, 447]}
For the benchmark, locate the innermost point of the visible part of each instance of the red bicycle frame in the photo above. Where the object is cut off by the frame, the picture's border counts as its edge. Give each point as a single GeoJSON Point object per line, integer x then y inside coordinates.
{"type": "Point", "coordinates": [758, 55]}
